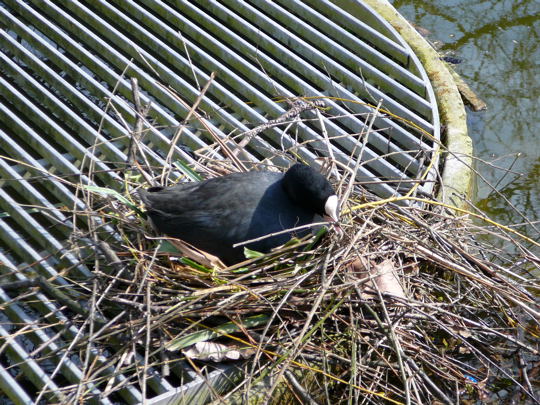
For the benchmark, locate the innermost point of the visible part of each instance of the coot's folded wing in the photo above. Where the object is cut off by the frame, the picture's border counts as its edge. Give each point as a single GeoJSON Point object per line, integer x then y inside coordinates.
{"type": "Point", "coordinates": [233, 192]}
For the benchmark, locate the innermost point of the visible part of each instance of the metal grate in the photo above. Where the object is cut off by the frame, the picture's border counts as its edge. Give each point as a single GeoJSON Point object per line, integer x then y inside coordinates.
{"type": "Point", "coordinates": [62, 62]}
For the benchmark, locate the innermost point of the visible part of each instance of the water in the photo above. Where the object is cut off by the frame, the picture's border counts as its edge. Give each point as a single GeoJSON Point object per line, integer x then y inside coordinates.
{"type": "Point", "coordinates": [498, 41]}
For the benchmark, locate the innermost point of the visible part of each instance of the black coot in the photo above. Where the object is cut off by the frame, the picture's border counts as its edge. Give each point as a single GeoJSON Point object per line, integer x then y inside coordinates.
{"type": "Point", "coordinates": [215, 214]}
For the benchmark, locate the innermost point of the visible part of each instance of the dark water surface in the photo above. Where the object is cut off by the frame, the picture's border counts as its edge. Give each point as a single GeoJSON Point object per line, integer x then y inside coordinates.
{"type": "Point", "coordinates": [498, 42]}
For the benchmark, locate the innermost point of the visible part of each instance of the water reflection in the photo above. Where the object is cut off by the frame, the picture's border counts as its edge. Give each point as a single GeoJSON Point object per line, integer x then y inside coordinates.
{"type": "Point", "coordinates": [499, 44]}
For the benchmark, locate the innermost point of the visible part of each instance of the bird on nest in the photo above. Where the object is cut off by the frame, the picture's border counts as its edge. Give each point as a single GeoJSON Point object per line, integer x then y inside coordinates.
{"type": "Point", "coordinates": [215, 214]}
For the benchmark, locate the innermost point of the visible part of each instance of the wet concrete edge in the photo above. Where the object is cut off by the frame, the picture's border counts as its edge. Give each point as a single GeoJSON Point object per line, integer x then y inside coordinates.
{"type": "Point", "coordinates": [457, 160]}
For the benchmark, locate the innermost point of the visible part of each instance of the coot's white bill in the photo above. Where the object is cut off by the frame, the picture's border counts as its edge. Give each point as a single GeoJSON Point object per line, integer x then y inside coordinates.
{"type": "Point", "coordinates": [331, 207]}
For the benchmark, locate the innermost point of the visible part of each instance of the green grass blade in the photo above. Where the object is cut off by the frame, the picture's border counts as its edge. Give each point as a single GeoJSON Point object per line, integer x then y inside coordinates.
{"type": "Point", "coordinates": [252, 254]}
{"type": "Point", "coordinates": [115, 194]}
{"type": "Point", "coordinates": [188, 171]}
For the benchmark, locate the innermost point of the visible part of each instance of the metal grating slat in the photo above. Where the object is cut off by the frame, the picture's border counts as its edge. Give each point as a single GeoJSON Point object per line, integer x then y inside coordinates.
{"type": "Point", "coordinates": [351, 63]}
{"type": "Point", "coordinates": [30, 367]}
{"type": "Point", "coordinates": [358, 17]}
{"type": "Point", "coordinates": [352, 41]}
{"type": "Point", "coordinates": [281, 71]}
{"type": "Point", "coordinates": [243, 109]}
{"type": "Point", "coordinates": [103, 74]}
{"type": "Point", "coordinates": [17, 152]}
{"type": "Point", "coordinates": [60, 325]}
{"type": "Point", "coordinates": [209, 61]}
{"type": "Point", "coordinates": [39, 119]}
{"type": "Point", "coordinates": [40, 235]}
{"type": "Point", "coordinates": [322, 67]}
{"type": "Point", "coordinates": [10, 386]}
{"type": "Point", "coordinates": [41, 338]}
{"type": "Point", "coordinates": [58, 107]}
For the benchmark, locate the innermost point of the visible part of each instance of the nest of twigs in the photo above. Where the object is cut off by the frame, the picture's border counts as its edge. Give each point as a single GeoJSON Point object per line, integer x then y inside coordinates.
{"type": "Point", "coordinates": [407, 304]}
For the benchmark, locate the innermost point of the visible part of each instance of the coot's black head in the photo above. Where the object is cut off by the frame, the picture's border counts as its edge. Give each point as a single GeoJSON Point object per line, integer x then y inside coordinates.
{"type": "Point", "coordinates": [310, 189]}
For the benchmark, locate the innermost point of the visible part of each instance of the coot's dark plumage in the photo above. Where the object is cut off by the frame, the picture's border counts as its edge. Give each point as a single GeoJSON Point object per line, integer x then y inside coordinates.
{"type": "Point", "coordinates": [215, 214]}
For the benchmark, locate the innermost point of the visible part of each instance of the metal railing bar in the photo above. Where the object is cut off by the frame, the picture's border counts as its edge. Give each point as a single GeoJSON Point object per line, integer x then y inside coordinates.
{"type": "Point", "coordinates": [100, 69]}
{"type": "Point", "coordinates": [12, 389]}
{"type": "Point", "coordinates": [345, 12]}
{"type": "Point", "coordinates": [51, 128]}
{"type": "Point", "coordinates": [356, 45]}
{"type": "Point", "coordinates": [241, 45]}
{"type": "Point", "coordinates": [31, 369]}
{"type": "Point", "coordinates": [39, 337]}
{"type": "Point", "coordinates": [279, 23]}
{"type": "Point", "coordinates": [392, 172]}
